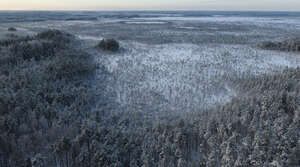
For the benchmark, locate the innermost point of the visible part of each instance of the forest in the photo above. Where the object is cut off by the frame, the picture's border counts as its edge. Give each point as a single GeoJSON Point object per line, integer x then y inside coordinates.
{"type": "Point", "coordinates": [49, 116]}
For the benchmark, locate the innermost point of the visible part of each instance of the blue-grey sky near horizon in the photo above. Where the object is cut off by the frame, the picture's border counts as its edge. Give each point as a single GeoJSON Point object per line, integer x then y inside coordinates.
{"type": "Point", "coordinates": [277, 5]}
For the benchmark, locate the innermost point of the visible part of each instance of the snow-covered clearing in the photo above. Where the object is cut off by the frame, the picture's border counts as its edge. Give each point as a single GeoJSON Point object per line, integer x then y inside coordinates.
{"type": "Point", "coordinates": [185, 77]}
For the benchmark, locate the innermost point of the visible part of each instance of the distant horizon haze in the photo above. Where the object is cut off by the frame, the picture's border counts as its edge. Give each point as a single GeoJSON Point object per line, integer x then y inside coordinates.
{"type": "Point", "coordinates": [166, 5]}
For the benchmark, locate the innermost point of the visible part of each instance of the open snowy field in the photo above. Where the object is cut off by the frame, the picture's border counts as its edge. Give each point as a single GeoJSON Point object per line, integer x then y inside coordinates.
{"type": "Point", "coordinates": [175, 62]}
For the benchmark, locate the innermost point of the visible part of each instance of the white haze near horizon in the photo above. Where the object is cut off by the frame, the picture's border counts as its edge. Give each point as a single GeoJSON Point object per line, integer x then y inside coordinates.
{"type": "Point", "coordinates": [275, 5]}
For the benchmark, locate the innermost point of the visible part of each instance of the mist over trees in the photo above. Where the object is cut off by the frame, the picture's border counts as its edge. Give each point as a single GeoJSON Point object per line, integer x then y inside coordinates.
{"type": "Point", "coordinates": [48, 118]}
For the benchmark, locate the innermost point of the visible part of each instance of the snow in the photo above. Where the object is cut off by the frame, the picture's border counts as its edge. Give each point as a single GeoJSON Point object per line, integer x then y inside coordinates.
{"type": "Point", "coordinates": [189, 28]}
{"type": "Point", "coordinates": [260, 21]}
{"type": "Point", "coordinates": [86, 37]}
{"type": "Point", "coordinates": [192, 70]}
{"type": "Point", "coordinates": [186, 77]}
{"type": "Point", "coordinates": [145, 22]}
{"type": "Point", "coordinates": [227, 19]}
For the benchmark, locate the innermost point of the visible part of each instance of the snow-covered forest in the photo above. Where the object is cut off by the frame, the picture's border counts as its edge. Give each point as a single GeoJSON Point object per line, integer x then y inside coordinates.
{"type": "Point", "coordinates": [149, 89]}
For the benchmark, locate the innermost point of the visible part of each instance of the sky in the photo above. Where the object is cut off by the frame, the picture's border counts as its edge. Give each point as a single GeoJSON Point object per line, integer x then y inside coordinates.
{"type": "Point", "coordinates": [271, 5]}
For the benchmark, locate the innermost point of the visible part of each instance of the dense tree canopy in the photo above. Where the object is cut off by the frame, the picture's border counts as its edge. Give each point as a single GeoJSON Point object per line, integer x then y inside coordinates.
{"type": "Point", "coordinates": [47, 118]}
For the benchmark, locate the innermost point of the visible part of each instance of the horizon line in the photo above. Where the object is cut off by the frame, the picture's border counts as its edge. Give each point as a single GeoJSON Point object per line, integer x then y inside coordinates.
{"type": "Point", "coordinates": [158, 10]}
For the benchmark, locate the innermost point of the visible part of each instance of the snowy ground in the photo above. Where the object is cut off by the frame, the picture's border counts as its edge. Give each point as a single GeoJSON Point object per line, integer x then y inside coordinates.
{"type": "Point", "coordinates": [186, 77]}
{"type": "Point", "coordinates": [176, 63]}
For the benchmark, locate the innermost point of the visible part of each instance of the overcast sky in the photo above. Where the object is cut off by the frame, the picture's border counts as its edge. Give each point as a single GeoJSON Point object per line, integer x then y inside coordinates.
{"type": "Point", "coordinates": [286, 5]}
